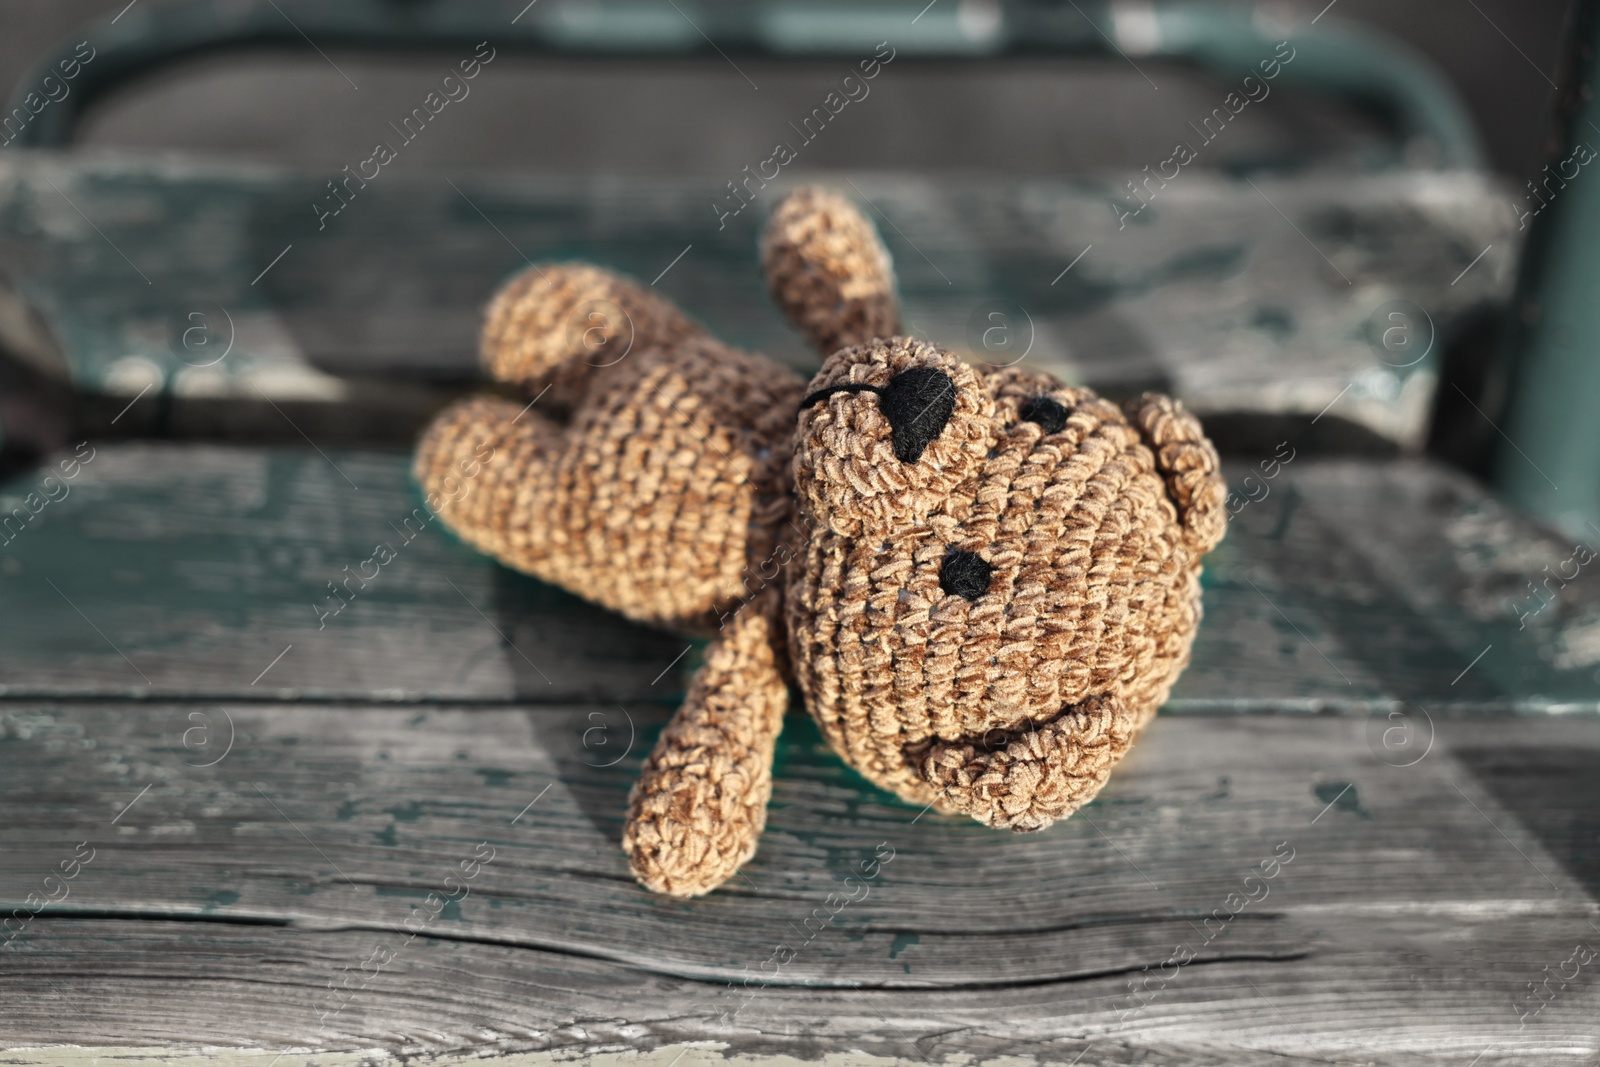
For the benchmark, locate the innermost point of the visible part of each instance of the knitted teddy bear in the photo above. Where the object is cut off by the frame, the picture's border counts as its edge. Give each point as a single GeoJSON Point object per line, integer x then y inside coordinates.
{"type": "Point", "coordinates": [983, 581]}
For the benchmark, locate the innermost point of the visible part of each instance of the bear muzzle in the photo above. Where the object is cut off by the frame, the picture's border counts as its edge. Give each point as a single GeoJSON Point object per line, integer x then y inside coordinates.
{"type": "Point", "coordinates": [1026, 779]}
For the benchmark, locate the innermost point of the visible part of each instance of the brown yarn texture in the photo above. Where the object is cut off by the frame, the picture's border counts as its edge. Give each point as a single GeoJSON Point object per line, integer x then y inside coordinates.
{"type": "Point", "coordinates": [678, 481]}
{"type": "Point", "coordinates": [828, 271]}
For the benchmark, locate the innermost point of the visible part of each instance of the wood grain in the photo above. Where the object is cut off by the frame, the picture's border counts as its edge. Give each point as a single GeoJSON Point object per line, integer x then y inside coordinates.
{"type": "Point", "coordinates": [1360, 583]}
{"type": "Point", "coordinates": [1416, 904]}
{"type": "Point", "coordinates": [186, 572]}
{"type": "Point", "coordinates": [254, 842]}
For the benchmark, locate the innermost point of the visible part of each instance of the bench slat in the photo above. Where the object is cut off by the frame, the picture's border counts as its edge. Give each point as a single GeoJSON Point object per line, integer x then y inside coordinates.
{"type": "Point", "coordinates": [357, 319]}
{"type": "Point", "coordinates": [315, 837]}
{"type": "Point", "coordinates": [189, 572]}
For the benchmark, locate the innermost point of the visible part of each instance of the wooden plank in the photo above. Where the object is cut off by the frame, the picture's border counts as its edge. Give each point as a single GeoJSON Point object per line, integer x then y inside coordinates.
{"type": "Point", "coordinates": [1410, 909]}
{"type": "Point", "coordinates": [191, 572]}
{"type": "Point", "coordinates": [1254, 305]}
{"type": "Point", "coordinates": [186, 571]}
{"type": "Point", "coordinates": [1385, 582]}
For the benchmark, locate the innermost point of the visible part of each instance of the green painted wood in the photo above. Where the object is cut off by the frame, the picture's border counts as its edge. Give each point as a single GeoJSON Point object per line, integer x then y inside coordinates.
{"type": "Point", "coordinates": [1359, 581]}
{"type": "Point", "coordinates": [189, 571]}
{"type": "Point", "coordinates": [185, 571]}
{"type": "Point", "coordinates": [1409, 908]}
{"type": "Point", "coordinates": [1261, 307]}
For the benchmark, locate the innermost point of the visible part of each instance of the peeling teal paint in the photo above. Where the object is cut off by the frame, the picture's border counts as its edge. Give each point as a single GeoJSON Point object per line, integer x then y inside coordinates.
{"type": "Point", "coordinates": [410, 811]}
{"type": "Point", "coordinates": [901, 943]}
{"type": "Point", "coordinates": [1341, 796]}
{"type": "Point", "coordinates": [219, 898]}
{"type": "Point", "coordinates": [1276, 321]}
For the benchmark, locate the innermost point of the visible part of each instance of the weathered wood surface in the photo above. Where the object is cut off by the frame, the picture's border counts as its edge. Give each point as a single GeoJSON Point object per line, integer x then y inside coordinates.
{"type": "Point", "coordinates": [1253, 304]}
{"type": "Point", "coordinates": [189, 572]}
{"type": "Point", "coordinates": [1413, 906]}
{"type": "Point", "coordinates": [1444, 864]}
{"type": "Point", "coordinates": [1357, 582]}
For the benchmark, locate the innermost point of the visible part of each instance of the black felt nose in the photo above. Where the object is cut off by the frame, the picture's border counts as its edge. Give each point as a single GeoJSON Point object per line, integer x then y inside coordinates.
{"type": "Point", "coordinates": [965, 574]}
{"type": "Point", "coordinates": [918, 403]}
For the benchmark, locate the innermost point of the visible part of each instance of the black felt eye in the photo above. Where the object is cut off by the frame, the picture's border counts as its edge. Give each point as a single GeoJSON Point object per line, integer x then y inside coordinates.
{"type": "Point", "coordinates": [1048, 413]}
{"type": "Point", "coordinates": [965, 574]}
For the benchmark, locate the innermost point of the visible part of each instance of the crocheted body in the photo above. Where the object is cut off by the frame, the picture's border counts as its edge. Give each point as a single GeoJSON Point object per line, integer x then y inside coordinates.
{"type": "Point", "coordinates": [998, 657]}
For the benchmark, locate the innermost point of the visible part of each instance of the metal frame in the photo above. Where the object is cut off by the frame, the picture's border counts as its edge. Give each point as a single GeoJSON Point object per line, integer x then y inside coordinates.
{"type": "Point", "coordinates": [1548, 462]}
{"type": "Point", "coordinates": [1365, 68]}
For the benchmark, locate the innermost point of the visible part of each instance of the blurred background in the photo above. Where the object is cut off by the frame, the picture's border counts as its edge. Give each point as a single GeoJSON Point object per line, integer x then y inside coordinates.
{"type": "Point", "coordinates": [631, 117]}
{"type": "Point", "coordinates": [698, 119]}
{"type": "Point", "coordinates": [1411, 135]}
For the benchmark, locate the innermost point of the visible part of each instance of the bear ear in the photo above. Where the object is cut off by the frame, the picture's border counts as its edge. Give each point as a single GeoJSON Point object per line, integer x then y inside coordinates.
{"type": "Point", "coordinates": [828, 270]}
{"type": "Point", "coordinates": [1187, 462]}
{"type": "Point", "coordinates": [885, 432]}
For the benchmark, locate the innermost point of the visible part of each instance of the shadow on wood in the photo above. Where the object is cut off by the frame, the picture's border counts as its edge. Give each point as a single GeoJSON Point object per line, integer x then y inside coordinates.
{"type": "Point", "coordinates": [1554, 793]}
